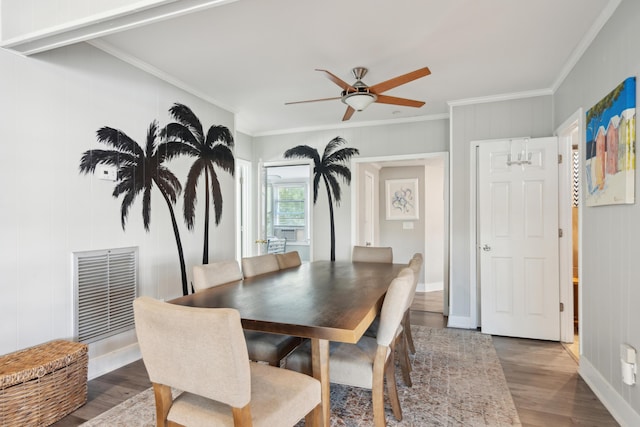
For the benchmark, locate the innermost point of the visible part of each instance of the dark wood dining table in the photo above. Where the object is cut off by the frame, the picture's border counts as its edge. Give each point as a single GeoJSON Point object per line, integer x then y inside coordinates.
{"type": "Point", "coordinates": [322, 300]}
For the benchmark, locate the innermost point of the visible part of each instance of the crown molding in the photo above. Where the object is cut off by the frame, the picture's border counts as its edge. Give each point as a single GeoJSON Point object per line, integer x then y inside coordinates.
{"type": "Point", "coordinates": [144, 66]}
{"type": "Point", "coordinates": [586, 41]}
{"type": "Point", "coordinates": [352, 125]}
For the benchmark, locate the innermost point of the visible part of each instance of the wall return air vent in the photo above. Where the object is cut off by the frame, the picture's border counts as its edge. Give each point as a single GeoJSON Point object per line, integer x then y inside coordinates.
{"type": "Point", "coordinates": [105, 285]}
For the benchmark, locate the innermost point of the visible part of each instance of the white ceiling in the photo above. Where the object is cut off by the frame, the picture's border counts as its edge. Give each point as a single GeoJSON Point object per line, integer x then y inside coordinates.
{"type": "Point", "coordinates": [252, 56]}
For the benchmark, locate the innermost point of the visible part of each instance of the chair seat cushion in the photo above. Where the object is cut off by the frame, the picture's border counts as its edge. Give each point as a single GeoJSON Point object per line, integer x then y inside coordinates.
{"type": "Point", "coordinates": [278, 398]}
{"type": "Point", "coordinates": [265, 347]}
{"type": "Point", "coordinates": [349, 364]}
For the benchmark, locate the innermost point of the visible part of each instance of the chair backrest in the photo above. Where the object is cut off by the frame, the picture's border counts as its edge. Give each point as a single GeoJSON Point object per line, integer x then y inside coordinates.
{"type": "Point", "coordinates": [372, 254]}
{"type": "Point", "coordinates": [393, 307]}
{"type": "Point", "coordinates": [288, 259]}
{"type": "Point", "coordinates": [253, 266]}
{"type": "Point", "coordinates": [415, 265]}
{"type": "Point", "coordinates": [216, 273]}
{"type": "Point", "coordinates": [198, 350]}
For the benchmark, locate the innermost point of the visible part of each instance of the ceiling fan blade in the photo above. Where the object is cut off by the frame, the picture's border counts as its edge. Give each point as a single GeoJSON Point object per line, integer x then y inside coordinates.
{"type": "Point", "coordinates": [385, 99]}
{"type": "Point", "coordinates": [337, 80]}
{"type": "Point", "coordinates": [400, 80]}
{"type": "Point", "coordinates": [312, 100]}
{"type": "Point", "coordinates": [348, 114]}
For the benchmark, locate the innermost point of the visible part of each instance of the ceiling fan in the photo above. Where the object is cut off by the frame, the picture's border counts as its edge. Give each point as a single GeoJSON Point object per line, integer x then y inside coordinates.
{"type": "Point", "coordinates": [359, 96]}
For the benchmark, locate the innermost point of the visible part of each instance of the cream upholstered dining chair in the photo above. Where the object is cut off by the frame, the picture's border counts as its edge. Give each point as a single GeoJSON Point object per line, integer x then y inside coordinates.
{"type": "Point", "coordinates": [372, 254]}
{"type": "Point", "coordinates": [288, 260]}
{"type": "Point", "coordinates": [260, 264]}
{"type": "Point", "coordinates": [404, 341]}
{"type": "Point", "coordinates": [370, 361]}
{"type": "Point", "coordinates": [215, 273]}
{"type": "Point", "coordinates": [202, 352]}
{"type": "Point", "coordinates": [262, 346]}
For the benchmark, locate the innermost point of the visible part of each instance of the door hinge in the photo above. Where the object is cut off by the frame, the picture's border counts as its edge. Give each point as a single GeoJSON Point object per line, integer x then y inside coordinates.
{"type": "Point", "coordinates": [561, 307]}
{"type": "Point", "coordinates": [559, 158]}
{"type": "Point", "coordinates": [560, 232]}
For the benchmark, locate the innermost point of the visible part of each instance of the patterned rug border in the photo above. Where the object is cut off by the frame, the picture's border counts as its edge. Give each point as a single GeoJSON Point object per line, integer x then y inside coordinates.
{"type": "Point", "coordinates": [457, 381]}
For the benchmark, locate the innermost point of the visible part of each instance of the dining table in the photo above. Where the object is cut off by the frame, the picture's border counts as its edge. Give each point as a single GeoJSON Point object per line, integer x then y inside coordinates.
{"type": "Point", "coordinates": [323, 301]}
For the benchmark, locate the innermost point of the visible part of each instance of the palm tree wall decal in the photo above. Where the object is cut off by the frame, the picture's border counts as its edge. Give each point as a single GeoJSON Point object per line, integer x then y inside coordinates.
{"type": "Point", "coordinates": [327, 168]}
{"type": "Point", "coordinates": [186, 137]}
{"type": "Point", "coordinates": [138, 171]}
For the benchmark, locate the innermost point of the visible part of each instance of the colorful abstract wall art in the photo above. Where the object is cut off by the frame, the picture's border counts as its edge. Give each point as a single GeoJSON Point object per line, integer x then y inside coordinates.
{"type": "Point", "coordinates": [610, 154]}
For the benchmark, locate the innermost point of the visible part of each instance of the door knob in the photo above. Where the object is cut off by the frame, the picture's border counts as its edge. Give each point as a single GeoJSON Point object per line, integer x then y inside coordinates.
{"type": "Point", "coordinates": [486, 248]}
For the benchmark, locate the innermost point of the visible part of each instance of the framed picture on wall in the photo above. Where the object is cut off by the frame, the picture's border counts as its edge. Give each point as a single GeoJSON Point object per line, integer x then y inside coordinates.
{"type": "Point", "coordinates": [402, 199]}
{"type": "Point", "coordinates": [610, 150]}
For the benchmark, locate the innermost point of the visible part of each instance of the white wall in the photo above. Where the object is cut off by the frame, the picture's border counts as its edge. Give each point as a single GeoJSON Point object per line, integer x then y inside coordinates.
{"type": "Point", "coordinates": [372, 141]}
{"type": "Point", "coordinates": [530, 117]}
{"type": "Point", "coordinates": [405, 243]}
{"type": "Point", "coordinates": [51, 107]}
{"type": "Point", "coordinates": [610, 244]}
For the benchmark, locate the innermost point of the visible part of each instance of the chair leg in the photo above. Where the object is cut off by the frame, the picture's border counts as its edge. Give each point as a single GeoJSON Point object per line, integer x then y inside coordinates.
{"type": "Point", "coordinates": [377, 391]}
{"type": "Point", "coordinates": [406, 324]}
{"type": "Point", "coordinates": [405, 363]}
{"type": "Point", "coordinates": [392, 389]}
{"type": "Point", "coordinates": [164, 400]}
{"type": "Point", "coordinates": [242, 416]}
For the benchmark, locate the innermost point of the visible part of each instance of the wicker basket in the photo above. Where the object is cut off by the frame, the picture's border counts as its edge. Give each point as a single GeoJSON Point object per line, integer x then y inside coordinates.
{"type": "Point", "coordinates": [42, 384]}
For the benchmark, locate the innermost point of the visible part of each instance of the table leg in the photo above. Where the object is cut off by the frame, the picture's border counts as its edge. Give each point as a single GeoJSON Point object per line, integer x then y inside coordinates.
{"type": "Point", "coordinates": [320, 366]}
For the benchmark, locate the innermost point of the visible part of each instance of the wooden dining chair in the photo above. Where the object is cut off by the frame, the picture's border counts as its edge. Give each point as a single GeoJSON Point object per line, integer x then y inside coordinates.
{"type": "Point", "coordinates": [262, 346]}
{"type": "Point", "coordinates": [260, 264]}
{"type": "Point", "coordinates": [202, 352]}
{"type": "Point", "coordinates": [404, 342]}
{"type": "Point", "coordinates": [370, 361]}
{"type": "Point", "coordinates": [288, 260]}
{"type": "Point", "coordinates": [372, 254]}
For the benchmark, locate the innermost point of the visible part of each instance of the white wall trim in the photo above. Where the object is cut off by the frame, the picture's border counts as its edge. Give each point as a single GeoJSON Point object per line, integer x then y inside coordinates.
{"type": "Point", "coordinates": [461, 322]}
{"type": "Point", "coordinates": [347, 125]}
{"type": "Point", "coordinates": [430, 287]}
{"type": "Point", "coordinates": [105, 363]}
{"type": "Point", "coordinates": [501, 97]}
{"type": "Point", "coordinates": [586, 41]}
{"type": "Point", "coordinates": [101, 24]}
{"type": "Point", "coordinates": [610, 398]}
{"type": "Point", "coordinates": [135, 62]}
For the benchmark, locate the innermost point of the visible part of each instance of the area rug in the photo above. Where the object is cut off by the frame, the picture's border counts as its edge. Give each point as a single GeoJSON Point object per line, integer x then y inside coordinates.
{"type": "Point", "coordinates": [457, 381]}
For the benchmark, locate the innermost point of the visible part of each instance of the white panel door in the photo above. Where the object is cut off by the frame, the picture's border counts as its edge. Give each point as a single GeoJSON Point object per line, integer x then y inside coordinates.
{"type": "Point", "coordinates": [518, 238]}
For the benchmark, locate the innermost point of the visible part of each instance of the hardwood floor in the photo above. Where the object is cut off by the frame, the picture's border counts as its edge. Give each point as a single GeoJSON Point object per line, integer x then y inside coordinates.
{"type": "Point", "coordinates": [542, 377]}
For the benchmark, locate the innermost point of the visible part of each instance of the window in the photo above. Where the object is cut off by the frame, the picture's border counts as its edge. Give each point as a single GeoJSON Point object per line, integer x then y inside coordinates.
{"type": "Point", "coordinates": [287, 213]}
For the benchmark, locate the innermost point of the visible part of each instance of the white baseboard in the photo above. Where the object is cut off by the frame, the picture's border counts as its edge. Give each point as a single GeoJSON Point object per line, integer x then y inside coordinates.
{"type": "Point", "coordinates": [430, 287]}
{"type": "Point", "coordinates": [116, 359]}
{"type": "Point", "coordinates": [461, 322]}
{"type": "Point", "coordinates": [610, 398]}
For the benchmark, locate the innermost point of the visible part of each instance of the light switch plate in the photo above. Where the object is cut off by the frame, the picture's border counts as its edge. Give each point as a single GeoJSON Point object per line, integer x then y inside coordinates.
{"type": "Point", "coordinates": [407, 225]}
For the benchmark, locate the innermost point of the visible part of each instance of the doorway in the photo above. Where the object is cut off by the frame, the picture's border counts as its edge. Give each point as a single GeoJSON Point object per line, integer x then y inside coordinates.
{"type": "Point", "coordinates": [426, 234]}
{"type": "Point", "coordinates": [570, 134]}
{"type": "Point", "coordinates": [285, 209]}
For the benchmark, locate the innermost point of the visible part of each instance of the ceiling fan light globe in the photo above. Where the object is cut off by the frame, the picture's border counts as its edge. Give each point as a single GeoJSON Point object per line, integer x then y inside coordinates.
{"type": "Point", "coordinates": [359, 100]}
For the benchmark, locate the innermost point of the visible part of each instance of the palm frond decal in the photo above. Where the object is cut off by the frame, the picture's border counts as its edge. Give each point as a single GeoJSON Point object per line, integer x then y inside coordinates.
{"type": "Point", "coordinates": [138, 169]}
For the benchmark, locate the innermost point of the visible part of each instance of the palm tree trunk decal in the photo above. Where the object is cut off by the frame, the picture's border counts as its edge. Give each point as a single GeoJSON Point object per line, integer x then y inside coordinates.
{"type": "Point", "coordinates": [174, 224]}
{"type": "Point", "coordinates": [138, 170]}
{"type": "Point", "coordinates": [327, 168]}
